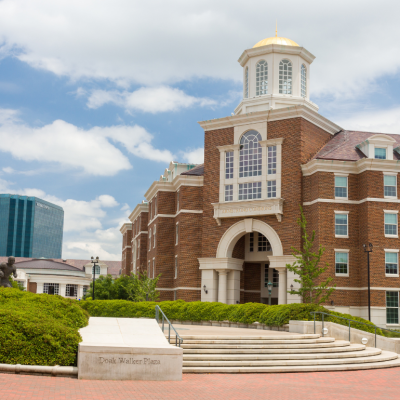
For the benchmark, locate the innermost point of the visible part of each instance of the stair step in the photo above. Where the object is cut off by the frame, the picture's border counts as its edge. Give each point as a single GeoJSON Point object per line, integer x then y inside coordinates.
{"type": "Point", "coordinates": [240, 337]}
{"type": "Point", "coordinates": [395, 362]}
{"type": "Point", "coordinates": [251, 342]}
{"type": "Point", "coordinates": [294, 356]}
{"type": "Point", "coordinates": [384, 356]}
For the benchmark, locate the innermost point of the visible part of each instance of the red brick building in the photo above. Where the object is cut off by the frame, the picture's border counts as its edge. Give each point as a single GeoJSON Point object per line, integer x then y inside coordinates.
{"type": "Point", "coordinates": [221, 230]}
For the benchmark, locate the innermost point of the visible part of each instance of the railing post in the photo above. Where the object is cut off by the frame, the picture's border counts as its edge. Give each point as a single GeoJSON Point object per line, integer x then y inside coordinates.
{"type": "Point", "coordinates": [169, 333]}
{"type": "Point", "coordinates": [163, 323]}
{"type": "Point", "coordinates": [322, 325]}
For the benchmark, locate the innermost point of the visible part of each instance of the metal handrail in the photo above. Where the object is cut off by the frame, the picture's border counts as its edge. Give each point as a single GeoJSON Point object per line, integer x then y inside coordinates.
{"type": "Point", "coordinates": [164, 317]}
{"type": "Point", "coordinates": [350, 320]}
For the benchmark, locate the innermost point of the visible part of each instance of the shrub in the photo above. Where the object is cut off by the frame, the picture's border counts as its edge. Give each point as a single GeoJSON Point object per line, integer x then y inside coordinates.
{"type": "Point", "coordinates": [39, 329]}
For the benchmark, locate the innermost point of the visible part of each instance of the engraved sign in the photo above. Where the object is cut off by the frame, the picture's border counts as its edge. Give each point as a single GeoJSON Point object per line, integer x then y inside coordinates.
{"type": "Point", "coordinates": [129, 360]}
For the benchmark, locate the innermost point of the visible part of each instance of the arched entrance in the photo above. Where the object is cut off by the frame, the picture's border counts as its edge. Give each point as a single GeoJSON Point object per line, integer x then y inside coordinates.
{"type": "Point", "coordinates": [221, 275]}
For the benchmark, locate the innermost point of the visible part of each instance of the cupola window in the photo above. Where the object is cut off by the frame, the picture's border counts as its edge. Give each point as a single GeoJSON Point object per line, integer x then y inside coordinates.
{"type": "Point", "coordinates": [250, 157]}
{"type": "Point", "coordinates": [303, 81]}
{"type": "Point", "coordinates": [285, 77]}
{"type": "Point", "coordinates": [261, 78]}
{"type": "Point", "coordinates": [246, 83]}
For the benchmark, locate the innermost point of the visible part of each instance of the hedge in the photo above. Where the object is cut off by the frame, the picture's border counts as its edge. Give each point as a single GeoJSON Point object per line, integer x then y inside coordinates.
{"type": "Point", "coordinates": [206, 311]}
{"type": "Point", "coordinates": [39, 329]}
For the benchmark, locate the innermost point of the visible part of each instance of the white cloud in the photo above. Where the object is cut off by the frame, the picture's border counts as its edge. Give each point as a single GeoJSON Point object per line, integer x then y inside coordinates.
{"type": "Point", "coordinates": [150, 99]}
{"type": "Point", "coordinates": [90, 150]}
{"type": "Point", "coordinates": [195, 156]}
{"type": "Point", "coordinates": [162, 42]}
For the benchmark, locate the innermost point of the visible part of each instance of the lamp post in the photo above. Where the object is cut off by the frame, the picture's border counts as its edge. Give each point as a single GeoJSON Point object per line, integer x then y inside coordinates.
{"type": "Point", "coordinates": [368, 250]}
{"type": "Point", "coordinates": [95, 261]}
{"type": "Point", "coordinates": [269, 284]}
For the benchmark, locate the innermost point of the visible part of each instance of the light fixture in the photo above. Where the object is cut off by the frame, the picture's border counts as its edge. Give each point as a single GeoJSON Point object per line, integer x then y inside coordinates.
{"type": "Point", "coordinates": [291, 286]}
{"type": "Point", "coordinates": [205, 289]}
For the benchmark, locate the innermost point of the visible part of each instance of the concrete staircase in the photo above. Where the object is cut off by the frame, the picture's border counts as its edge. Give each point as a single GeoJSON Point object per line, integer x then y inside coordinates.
{"type": "Point", "coordinates": [279, 353]}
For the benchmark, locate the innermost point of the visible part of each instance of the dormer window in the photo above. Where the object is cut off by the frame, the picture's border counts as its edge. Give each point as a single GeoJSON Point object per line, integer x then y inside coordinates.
{"type": "Point", "coordinates": [380, 153]}
{"type": "Point", "coordinates": [378, 146]}
{"type": "Point", "coordinates": [261, 78]}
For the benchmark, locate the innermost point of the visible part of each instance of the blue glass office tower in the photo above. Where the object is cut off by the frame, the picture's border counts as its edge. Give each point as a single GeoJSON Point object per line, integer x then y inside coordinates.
{"type": "Point", "coordinates": [30, 227]}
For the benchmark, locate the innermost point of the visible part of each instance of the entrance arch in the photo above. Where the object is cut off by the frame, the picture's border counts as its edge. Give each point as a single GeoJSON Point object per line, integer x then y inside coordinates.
{"type": "Point", "coordinates": [236, 231]}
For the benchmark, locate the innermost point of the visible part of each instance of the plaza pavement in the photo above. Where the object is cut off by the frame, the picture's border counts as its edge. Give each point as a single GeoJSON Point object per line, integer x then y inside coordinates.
{"type": "Point", "coordinates": [352, 385]}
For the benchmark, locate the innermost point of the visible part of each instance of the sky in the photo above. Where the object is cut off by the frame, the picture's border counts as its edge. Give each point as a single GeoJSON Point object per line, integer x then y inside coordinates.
{"type": "Point", "coordinates": [98, 96]}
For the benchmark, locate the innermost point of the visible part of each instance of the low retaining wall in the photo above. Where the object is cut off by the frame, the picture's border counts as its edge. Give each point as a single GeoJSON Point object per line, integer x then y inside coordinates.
{"type": "Point", "coordinates": [341, 332]}
{"type": "Point", "coordinates": [228, 324]}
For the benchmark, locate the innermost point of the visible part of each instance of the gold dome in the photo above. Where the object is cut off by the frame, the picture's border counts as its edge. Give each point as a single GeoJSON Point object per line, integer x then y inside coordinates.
{"type": "Point", "coordinates": [276, 40]}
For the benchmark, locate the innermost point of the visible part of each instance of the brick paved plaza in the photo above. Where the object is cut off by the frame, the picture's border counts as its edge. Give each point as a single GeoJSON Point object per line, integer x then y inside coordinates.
{"type": "Point", "coordinates": [355, 385]}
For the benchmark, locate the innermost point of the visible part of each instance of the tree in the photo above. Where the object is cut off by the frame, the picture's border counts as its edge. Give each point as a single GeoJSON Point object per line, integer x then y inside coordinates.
{"type": "Point", "coordinates": [143, 288]}
{"type": "Point", "coordinates": [16, 284]}
{"type": "Point", "coordinates": [307, 268]}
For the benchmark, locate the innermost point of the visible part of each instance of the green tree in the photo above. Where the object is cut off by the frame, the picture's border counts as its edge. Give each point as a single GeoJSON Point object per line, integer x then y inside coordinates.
{"type": "Point", "coordinates": [16, 284]}
{"type": "Point", "coordinates": [143, 288]}
{"type": "Point", "coordinates": [307, 268]}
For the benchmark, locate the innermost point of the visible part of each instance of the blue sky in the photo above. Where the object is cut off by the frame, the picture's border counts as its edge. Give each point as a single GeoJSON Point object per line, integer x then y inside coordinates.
{"type": "Point", "coordinates": [97, 97]}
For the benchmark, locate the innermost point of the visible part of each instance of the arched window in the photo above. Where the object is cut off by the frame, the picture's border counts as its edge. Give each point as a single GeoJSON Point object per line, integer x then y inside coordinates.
{"type": "Point", "coordinates": [285, 77]}
{"type": "Point", "coordinates": [261, 78]}
{"type": "Point", "coordinates": [303, 81]}
{"type": "Point", "coordinates": [250, 156]}
{"type": "Point", "coordinates": [246, 83]}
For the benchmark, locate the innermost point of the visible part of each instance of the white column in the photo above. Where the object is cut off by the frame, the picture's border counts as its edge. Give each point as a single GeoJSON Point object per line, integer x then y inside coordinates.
{"type": "Point", "coordinates": [80, 292]}
{"type": "Point", "coordinates": [222, 286]}
{"type": "Point", "coordinates": [39, 288]}
{"type": "Point", "coordinates": [233, 286]}
{"type": "Point", "coordinates": [282, 292]}
{"type": "Point", "coordinates": [209, 285]}
{"type": "Point", "coordinates": [62, 288]}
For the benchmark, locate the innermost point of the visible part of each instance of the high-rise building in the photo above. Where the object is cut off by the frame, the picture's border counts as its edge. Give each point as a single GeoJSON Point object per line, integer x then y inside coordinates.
{"type": "Point", "coordinates": [30, 227]}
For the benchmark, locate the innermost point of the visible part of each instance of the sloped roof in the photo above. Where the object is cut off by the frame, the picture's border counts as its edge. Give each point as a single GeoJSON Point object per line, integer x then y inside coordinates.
{"type": "Point", "coordinates": [40, 263]}
{"type": "Point", "coordinates": [198, 170]}
{"type": "Point", "coordinates": [343, 146]}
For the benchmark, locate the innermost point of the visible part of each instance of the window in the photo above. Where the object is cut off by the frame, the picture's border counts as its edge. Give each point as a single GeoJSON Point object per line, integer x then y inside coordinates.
{"type": "Point", "coordinates": [390, 224]}
{"type": "Point", "coordinates": [250, 155]}
{"type": "Point", "coordinates": [176, 267]}
{"type": "Point", "coordinates": [177, 201]}
{"type": "Point", "coordinates": [261, 78]}
{"type": "Point", "coordinates": [97, 269]}
{"type": "Point", "coordinates": [228, 192]}
{"type": "Point", "coordinates": [392, 307]}
{"type": "Point", "coordinates": [389, 182]}
{"type": "Point", "coordinates": [263, 243]}
{"type": "Point", "coordinates": [71, 290]}
{"type": "Point", "coordinates": [285, 77]}
{"type": "Point", "coordinates": [341, 186]}
{"type": "Point", "coordinates": [271, 189]}
{"type": "Point", "coordinates": [391, 263]}
{"type": "Point", "coordinates": [251, 242]}
{"type": "Point", "coordinates": [246, 83]}
{"type": "Point", "coordinates": [303, 81]}
{"type": "Point", "coordinates": [380, 153]}
{"type": "Point", "coordinates": [341, 263]}
{"type": "Point", "coordinates": [154, 237]}
{"type": "Point", "coordinates": [149, 239]}
{"type": "Point", "coordinates": [155, 206]}
{"type": "Point", "coordinates": [275, 278]}
{"type": "Point", "coordinates": [249, 191]}
{"type": "Point", "coordinates": [51, 288]}
{"type": "Point", "coordinates": [176, 234]}
{"type": "Point", "coordinates": [272, 160]}
{"type": "Point", "coordinates": [229, 165]}
{"type": "Point", "coordinates": [341, 225]}
{"type": "Point", "coordinates": [154, 268]}
{"type": "Point", "coordinates": [138, 246]}
{"type": "Point", "coordinates": [151, 210]}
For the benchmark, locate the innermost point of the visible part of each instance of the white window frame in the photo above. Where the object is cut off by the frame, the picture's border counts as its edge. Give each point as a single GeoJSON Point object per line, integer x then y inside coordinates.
{"type": "Point", "coordinates": [176, 233]}
{"type": "Point", "coordinates": [155, 206]}
{"type": "Point", "coordinates": [348, 260]}
{"type": "Point", "coordinates": [347, 185]}
{"type": "Point", "coordinates": [260, 86]}
{"type": "Point", "coordinates": [149, 239]}
{"type": "Point", "coordinates": [397, 223]}
{"type": "Point", "coordinates": [381, 148]}
{"type": "Point", "coordinates": [228, 188]}
{"type": "Point", "coordinates": [177, 201]}
{"type": "Point", "coordinates": [154, 267]}
{"type": "Point", "coordinates": [176, 267]}
{"type": "Point", "coordinates": [229, 163]}
{"type": "Point", "coordinates": [397, 253]}
{"type": "Point", "coordinates": [398, 307]}
{"type": "Point", "coordinates": [389, 174]}
{"type": "Point", "coordinates": [289, 77]}
{"type": "Point", "coordinates": [342, 212]}
{"type": "Point", "coordinates": [154, 237]}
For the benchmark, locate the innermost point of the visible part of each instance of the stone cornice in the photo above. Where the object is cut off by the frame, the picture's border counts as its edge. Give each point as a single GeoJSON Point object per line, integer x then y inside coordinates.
{"type": "Point", "coordinates": [275, 48]}
{"type": "Point", "coordinates": [272, 142]}
{"type": "Point", "coordinates": [180, 180]}
{"type": "Point", "coordinates": [126, 227]}
{"type": "Point", "coordinates": [272, 115]}
{"type": "Point", "coordinates": [350, 167]}
{"type": "Point", "coordinates": [175, 215]}
{"type": "Point", "coordinates": [141, 207]}
{"type": "Point", "coordinates": [343, 201]}
{"type": "Point", "coordinates": [228, 147]}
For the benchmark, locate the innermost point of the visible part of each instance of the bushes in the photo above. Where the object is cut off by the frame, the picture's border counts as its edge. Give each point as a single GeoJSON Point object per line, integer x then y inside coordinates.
{"type": "Point", "coordinates": [39, 329]}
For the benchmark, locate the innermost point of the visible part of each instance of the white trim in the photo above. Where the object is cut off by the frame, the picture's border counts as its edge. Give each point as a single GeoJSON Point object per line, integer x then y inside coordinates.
{"type": "Point", "coordinates": [348, 262]}
{"type": "Point", "coordinates": [342, 250]}
{"type": "Point", "coordinates": [341, 212]}
{"type": "Point", "coordinates": [179, 288]}
{"type": "Point", "coordinates": [141, 207]}
{"type": "Point", "coordinates": [391, 211]}
{"type": "Point", "coordinates": [126, 227]}
{"type": "Point", "coordinates": [175, 215]}
{"type": "Point", "coordinates": [343, 201]}
{"type": "Point", "coordinates": [341, 174]}
{"type": "Point", "coordinates": [394, 289]}
{"type": "Point", "coordinates": [391, 250]}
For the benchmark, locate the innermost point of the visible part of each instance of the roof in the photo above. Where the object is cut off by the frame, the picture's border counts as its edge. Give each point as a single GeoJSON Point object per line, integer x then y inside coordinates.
{"type": "Point", "coordinates": [276, 40]}
{"type": "Point", "coordinates": [198, 170]}
{"type": "Point", "coordinates": [343, 146]}
{"type": "Point", "coordinates": [40, 263]}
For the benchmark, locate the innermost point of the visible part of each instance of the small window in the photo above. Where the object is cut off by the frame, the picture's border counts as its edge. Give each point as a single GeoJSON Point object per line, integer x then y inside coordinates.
{"type": "Point", "coordinates": [341, 263]}
{"type": "Point", "coordinates": [176, 234]}
{"type": "Point", "coordinates": [154, 268]}
{"type": "Point", "coordinates": [380, 153]}
{"type": "Point", "coordinates": [391, 224]}
{"type": "Point", "coordinates": [250, 191]}
{"type": "Point", "coordinates": [263, 243]}
{"type": "Point", "coordinates": [97, 269]}
{"type": "Point", "coordinates": [341, 225]}
{"type": "Point", "coordinates": [261, 78]}
{"type": "Point", "coordinates": [176, 267]}
{"type": "Point", "coordinates": [392, 307]}
{"type": "Point", "coordinates": [71, 290]}
{"type": "Point", "coordinates": [285, 77]}
{"type": "Point", "coordinates": [229, 165]}
{"type": "Point", "coordinates": [155, 206]}
{"type": "Point", "coordinates": [251, 242]}
{"type": "Point", "coordinates": [149, 239]}
{"type": "Point", "coordinates": [271, 189]}
{"type": "Point", "coordinates": [154, 236]}
{"type": "Point", "coordinates": [228, 192]}
{"type": "Point", "coordinates": [341, 186]}
{"type": "Point", "coordinates": [272, 160]}
{"type": "Point", "coordinates": [391, 263]}
{"type": "Point", "coordinates": [51, 288]}
{"type": "Point", "coordinates": [177, 201]}
{"type": "Point", "coordinates": [303, 81]}
{"type": "Point", "coordinates": [275, 278]}
{"type": "Point", "coordinates": [390, 185]}
{"type": "Point", "coordinates": [246, 83]}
